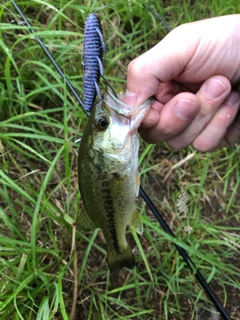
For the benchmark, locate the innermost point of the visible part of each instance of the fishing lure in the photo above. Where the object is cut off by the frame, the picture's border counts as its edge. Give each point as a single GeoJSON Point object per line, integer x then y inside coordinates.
{"type": "Point", "coordinates": [93, 48]}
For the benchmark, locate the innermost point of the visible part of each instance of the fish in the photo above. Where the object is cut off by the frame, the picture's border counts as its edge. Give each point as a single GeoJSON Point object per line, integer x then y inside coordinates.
{"type": "Point", "coordinates": [108, 175]}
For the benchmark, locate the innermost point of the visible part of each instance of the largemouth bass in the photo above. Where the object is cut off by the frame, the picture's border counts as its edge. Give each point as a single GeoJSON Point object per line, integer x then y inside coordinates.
{"type": "Point", "coordinates": [108, 175]}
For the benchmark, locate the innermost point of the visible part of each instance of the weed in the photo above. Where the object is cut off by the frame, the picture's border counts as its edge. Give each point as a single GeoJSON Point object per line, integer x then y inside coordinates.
{"type": "Point", "coordinates": [43, 252]}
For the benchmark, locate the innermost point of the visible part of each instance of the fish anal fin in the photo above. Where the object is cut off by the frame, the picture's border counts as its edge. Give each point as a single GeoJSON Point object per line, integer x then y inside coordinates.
{"type": "Point", "coordinates": [136, 222]}
{"type": "Point", "coordinates": [85, 222]}
{"type": "Point", "coordinates": [117, 261]}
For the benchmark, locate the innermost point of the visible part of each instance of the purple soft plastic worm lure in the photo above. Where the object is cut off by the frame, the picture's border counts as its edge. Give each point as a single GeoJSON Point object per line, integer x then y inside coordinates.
{"type": "Point", "coordinates": [93, 48]}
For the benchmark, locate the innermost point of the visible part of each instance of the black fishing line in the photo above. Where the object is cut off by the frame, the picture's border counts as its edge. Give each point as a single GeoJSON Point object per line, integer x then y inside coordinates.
{"type": "Point", "coordinates": [186, 257]}
{"type": "Point", "coordinates": [166, 228]}
{"type": "Point", "coordinates": [143, 194]}
{"type": "Point", "coordinates": [48, 54]}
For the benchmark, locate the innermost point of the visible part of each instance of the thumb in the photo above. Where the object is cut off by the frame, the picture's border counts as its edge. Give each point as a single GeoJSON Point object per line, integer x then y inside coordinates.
{"type": "Point", "coordinates": [162, 63]}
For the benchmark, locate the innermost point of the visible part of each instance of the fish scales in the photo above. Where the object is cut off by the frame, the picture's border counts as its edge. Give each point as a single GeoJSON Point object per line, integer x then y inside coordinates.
{"type": "Point", "coordinates": [109, 191]}
{"type": "Point", "coordinates": [108, 175]}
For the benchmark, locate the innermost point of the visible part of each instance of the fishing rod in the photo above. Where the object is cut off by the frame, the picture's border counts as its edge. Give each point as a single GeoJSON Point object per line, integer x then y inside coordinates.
{"type": "Point", "coordinates": [48, 54]}
{"type": "Point", "coordinates": [186, 257]}
{"type": "Point", "coordinates": [143, 194]}
{"type": "Point", "coordinates": [166, 228]}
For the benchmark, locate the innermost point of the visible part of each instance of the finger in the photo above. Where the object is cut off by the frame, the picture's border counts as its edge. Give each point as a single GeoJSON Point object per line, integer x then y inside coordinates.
{"type": "Point", "coordinates": [165, 92]}
{"type": "Point", "coordinates": [170, 89]}
{"type": "Point", "coordinates": [160, 64]}
{"type": "Point", "coordinates": [211, 95]}
{"type": "Point", "coordinates": [213, 134]}
{"type": "Point", "coordinates": [233, 133]}
{"type": "Point", "coordinates": [172, 118]}
{"type": "Point", "coordinates": [152, 118]}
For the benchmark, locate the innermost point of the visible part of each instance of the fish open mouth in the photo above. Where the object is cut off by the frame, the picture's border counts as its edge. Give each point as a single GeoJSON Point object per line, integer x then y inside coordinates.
{"type": "Point", "coordinates": [117, 105]}
{"type": "Point", "coordinates": [133, 114]}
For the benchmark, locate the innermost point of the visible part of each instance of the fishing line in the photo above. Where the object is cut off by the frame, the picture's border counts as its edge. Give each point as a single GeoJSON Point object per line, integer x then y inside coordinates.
{"type": "Point", "coordinates": [167, 229]}
{"type": "Point", "coordinates": [48, 54]}
{"type": "Point", "coordinates": [78, 48]}
{"type": "Point", "coordinates": [143, 194]}
{"type": "Point", "coordinates": [185, 257]}
{"type": "Point", "coordinates": [21, 23]}
{"type": "Point", "coordinates": [118, 18]}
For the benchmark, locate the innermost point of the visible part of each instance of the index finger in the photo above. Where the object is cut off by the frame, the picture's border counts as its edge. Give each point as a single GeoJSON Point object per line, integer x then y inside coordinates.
{"type": "Point", "coordinates": [162, 63]}
{"type": "Point", "coordinates": [148, 71]}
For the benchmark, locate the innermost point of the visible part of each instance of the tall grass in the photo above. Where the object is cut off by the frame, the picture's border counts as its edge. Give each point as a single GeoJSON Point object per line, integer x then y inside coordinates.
{"type": "Point", "coordinates": [49, 268]}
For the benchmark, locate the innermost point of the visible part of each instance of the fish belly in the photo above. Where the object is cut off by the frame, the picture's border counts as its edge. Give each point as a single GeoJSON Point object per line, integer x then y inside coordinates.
{"type": "Point", "coordinates": [108, 189]}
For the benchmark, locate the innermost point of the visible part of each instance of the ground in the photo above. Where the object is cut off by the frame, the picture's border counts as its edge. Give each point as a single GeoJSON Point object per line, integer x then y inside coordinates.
{"type": "Point", "coordinates": [49, 267]}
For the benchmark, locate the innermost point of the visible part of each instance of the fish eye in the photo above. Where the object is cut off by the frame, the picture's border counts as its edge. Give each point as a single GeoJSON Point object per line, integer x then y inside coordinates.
{"type": "Point", "coordinates": [102, 123]}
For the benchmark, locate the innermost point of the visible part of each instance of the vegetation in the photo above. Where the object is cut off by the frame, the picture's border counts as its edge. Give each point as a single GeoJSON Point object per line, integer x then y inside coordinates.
{"type": "Point", "coordinates": [49, 268]}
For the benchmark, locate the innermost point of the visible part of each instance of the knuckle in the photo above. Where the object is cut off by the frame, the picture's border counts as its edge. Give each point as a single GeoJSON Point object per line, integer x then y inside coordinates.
{"type": "Point", "coordinates": [134, 68]}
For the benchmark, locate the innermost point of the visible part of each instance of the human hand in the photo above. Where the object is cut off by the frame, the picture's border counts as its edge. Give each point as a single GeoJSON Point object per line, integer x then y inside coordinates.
{"type": "Point", "coordinates": [194, 74]}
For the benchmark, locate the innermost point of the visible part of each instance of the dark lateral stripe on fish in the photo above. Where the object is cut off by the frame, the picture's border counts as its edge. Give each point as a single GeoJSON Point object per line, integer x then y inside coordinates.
{"type": "Point", "coordinates": [109, 207]}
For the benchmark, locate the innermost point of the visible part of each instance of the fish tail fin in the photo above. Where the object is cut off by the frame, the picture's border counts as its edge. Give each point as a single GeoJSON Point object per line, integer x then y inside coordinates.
{"type": "Point", "coordinates": [117, 261]}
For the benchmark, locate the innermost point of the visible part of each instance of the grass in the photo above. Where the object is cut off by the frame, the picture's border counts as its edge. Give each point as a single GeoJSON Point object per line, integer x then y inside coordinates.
{"type": "Point", "coordinates": [49, 268]}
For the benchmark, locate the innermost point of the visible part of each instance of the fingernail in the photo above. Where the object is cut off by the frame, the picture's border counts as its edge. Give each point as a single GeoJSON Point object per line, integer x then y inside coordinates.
{"type": "Point", "coordinates": [185, 109]}
{"type": "Point", "coordinates": [130, 98]}
{"type": "Point", "coordinates": [233, 98]}
{"type": "Point", "coordinates": [214, 88]}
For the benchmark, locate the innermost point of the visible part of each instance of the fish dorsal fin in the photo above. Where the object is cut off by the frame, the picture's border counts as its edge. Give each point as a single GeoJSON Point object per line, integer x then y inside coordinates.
{"type": "Point", "coordinates": [85, 222]}
{"type": "Point", "coordinates": [136, 222]}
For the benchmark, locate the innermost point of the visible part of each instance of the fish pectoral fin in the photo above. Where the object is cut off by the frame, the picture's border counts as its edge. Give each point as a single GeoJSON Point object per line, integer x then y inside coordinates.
{"type": "Point", "coordinates": [136, 222]}
{"type": "Point", "coordinates": [85, 222]}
